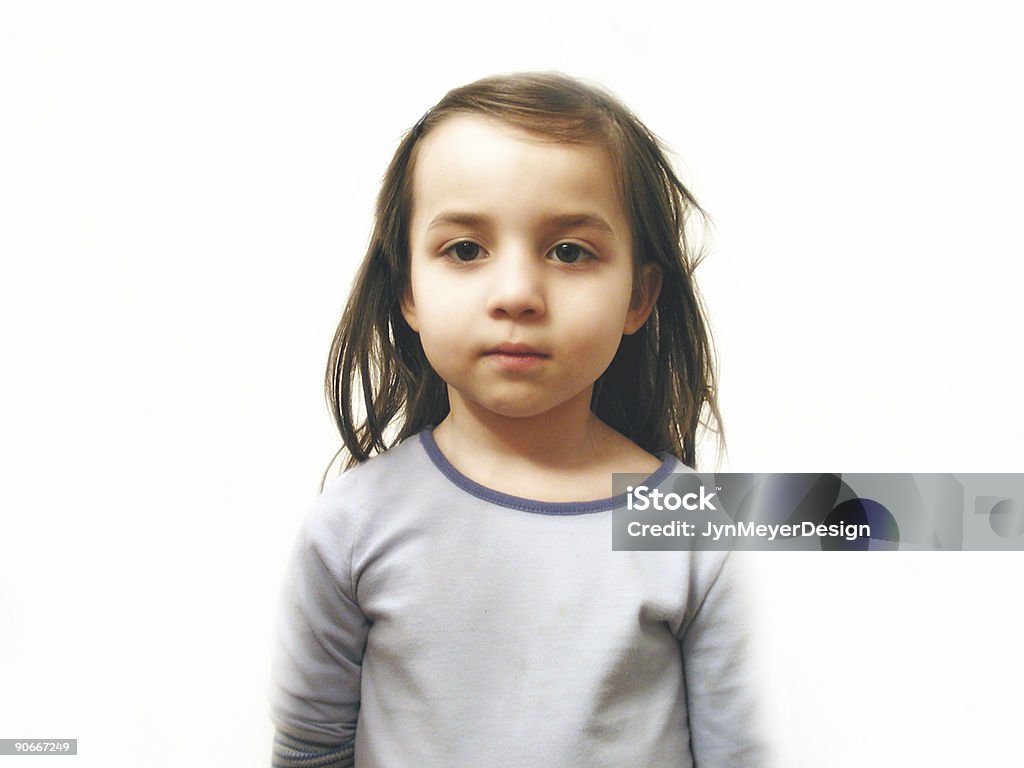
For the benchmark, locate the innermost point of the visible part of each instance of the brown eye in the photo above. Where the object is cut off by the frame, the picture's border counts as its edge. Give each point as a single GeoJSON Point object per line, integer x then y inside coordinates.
{"type": "Point", "coordinates": [465, 251]}
{"type": "Point", "coordinates": [570, 253]}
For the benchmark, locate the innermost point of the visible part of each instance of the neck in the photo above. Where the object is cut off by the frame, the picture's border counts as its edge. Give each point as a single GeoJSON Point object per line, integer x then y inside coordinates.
{"type": "Point", "coordinates": [566, 437]}
{"type": "Point", "coordinates": [564, 454]}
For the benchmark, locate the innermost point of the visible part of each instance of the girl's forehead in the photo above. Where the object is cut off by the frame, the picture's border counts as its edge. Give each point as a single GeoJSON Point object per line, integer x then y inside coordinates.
{"type": "Point", "coordinates": [478, 134]}
{"type": "Point", "coordinates": [470, 160]}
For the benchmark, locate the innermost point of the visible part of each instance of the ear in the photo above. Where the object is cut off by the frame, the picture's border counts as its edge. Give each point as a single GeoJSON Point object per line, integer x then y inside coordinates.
{"type": "Point", "coordinates": [409, 309]}
{"type": "Point", "coordinates": [644, 298]}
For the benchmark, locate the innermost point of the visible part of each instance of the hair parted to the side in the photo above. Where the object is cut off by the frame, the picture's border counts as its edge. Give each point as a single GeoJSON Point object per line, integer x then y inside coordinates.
{"type": "Point", "coordinates": [661, 385]}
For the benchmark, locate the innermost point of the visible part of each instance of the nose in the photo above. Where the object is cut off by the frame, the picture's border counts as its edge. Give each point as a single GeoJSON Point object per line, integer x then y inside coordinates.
{"type": "Point", "coordinates": [517, 290]}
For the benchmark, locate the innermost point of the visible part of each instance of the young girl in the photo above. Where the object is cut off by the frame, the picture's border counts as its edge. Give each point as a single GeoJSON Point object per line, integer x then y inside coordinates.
{"type": "Point", "coordinates": [524, 324]}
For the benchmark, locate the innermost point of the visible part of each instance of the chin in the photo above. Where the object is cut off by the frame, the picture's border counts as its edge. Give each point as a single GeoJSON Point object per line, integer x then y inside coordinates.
{"type": "Point", "coordinates": [527, 409]}
{"type": "Point", "coordinates": [517, 412]}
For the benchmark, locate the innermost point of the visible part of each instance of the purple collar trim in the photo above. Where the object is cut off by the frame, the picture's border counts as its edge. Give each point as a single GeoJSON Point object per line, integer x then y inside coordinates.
{"type": "Point", "coordinates": [668, 463]}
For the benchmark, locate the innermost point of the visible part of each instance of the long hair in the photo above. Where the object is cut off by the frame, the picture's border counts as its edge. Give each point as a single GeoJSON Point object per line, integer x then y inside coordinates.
{"type": "Point", "coordinates": [660, 386]}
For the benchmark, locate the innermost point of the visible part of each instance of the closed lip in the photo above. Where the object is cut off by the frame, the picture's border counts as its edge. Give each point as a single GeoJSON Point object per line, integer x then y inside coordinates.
{"type": "Point", "coordinates": [517, 350]}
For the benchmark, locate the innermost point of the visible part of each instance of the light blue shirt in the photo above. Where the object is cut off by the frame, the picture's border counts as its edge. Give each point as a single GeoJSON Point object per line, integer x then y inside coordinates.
{"type": "Point", "coordinates": [436, 622]}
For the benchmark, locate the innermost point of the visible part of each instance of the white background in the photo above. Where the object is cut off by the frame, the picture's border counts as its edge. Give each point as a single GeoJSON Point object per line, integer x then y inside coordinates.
{"type": "Point", "coordinates": [186, 189]}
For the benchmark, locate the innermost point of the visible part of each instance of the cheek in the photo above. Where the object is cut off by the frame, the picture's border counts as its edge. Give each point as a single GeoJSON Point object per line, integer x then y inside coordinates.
{"type": "Point", "coordinates": [603, 316]}
{"type": "Point", "coordinates": [597, 341]}
{"type": "Point", "coordinates": [441, 333]}
{"type": "Point", "coordinates": [604, 332]}
{"type": "Point", "coordinates": [438, 315]}
{"type": "Point", "coordinates": [428, 307]}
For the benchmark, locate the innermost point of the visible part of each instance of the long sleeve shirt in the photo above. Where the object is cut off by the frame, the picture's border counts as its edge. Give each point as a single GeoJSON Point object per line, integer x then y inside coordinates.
{"type": "Point", "coordinates": [427, 620]}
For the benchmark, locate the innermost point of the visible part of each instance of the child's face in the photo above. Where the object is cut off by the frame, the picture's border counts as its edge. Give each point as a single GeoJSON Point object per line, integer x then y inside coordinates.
{"type": "Point", "coordinates": [521, 267]}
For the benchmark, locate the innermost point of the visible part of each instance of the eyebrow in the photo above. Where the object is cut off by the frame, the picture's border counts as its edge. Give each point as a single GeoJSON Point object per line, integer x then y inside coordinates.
{"type": "Point", "coordinates": [561, 221]}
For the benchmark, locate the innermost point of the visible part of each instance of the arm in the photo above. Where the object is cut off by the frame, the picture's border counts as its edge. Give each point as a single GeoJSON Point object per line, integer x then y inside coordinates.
{"type": "Point", "coordinates": [721, 689]}
{"type": "Point", "coordinates": [321, 635]}
{"type": "Point", "coordinates": [290, 752]}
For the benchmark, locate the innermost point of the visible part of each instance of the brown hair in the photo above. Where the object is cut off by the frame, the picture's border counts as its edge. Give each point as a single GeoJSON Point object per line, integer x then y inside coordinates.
{"type": "Point", "coordinates": [661, 384]}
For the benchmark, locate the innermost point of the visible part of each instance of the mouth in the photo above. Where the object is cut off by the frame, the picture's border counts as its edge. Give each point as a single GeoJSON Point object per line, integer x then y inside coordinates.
{"type": "Point", "coordinates": [516, 350]}
{"type": "Point", "coordinates": [516, 358]}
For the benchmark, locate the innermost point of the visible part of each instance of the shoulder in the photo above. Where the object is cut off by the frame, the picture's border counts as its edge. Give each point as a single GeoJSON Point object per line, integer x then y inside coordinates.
{"type": "Point", "coordinates": [718, 595]}
{"type": "Point", "coordinates": [708, 571]}
{"type": "Point", "coordinates": [357, 493]}
{"type": "Point", "coordinates": [408, 457]}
